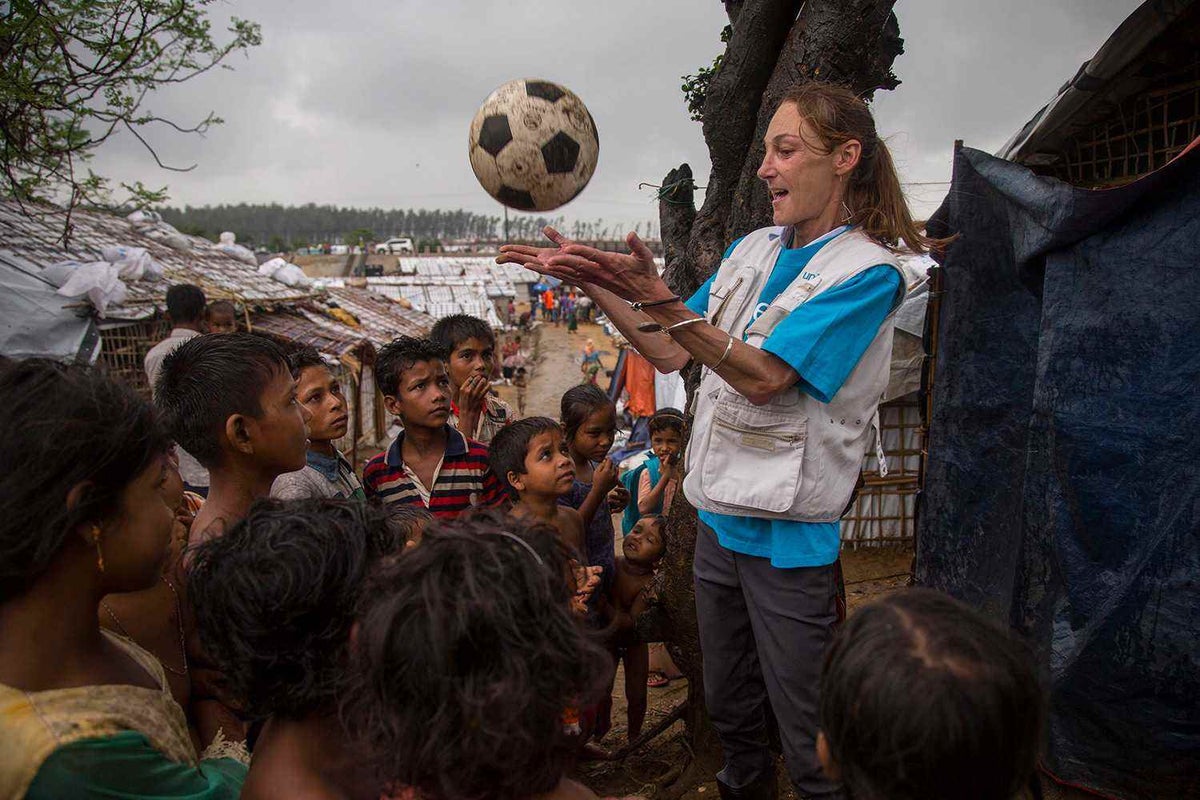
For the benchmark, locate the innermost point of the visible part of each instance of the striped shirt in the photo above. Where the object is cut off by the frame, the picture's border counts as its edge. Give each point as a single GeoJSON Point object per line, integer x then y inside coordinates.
{"type": "Point", "coordinates": [462, 480]}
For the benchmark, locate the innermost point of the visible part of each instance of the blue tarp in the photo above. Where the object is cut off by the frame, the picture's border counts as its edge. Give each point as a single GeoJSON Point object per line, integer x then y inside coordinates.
{"type": "Point", "coordinates": [1061, 493]}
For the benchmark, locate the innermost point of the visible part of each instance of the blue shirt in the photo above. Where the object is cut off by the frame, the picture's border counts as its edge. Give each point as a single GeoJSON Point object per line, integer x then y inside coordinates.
{"type": "Point", "coordinates": [822, 340]}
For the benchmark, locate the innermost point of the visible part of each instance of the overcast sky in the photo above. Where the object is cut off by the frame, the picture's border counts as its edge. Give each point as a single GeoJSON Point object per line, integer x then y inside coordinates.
{"type": "Point", "coordinates": [367, 102]}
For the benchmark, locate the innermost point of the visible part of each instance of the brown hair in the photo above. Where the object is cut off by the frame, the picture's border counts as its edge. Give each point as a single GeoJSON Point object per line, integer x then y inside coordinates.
{"type": "Point", "coordinates": [873, 195]}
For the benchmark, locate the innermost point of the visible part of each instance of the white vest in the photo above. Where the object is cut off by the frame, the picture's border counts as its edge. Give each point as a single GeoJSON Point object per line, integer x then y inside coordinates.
{"type": "Point", "coordinates": [794, 457]}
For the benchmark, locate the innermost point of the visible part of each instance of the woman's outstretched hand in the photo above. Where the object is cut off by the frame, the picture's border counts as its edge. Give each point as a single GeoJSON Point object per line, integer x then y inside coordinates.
{"type": "Point", "coordinates": [630, 276]}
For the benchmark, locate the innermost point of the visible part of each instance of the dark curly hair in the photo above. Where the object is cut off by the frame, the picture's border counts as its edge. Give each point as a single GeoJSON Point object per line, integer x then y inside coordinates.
{"type": "Point", "coordinates": [923, 696]}
{"type": "Point", "coordinates": [667, 419]}
{"type": "Point", "coordinates": [510, 445]}
{"type": "Point", "coordinates": [64, 425]}
{"type": "Point", "coordinates": [580, 402]}
{"type": "Point", "coordinates": [467, 657]}
{"type": "Point", "coordinates": [209, 378]}
{"type": "Point", "coordinates": [398, 355]}
{"type": "Point", "coordinates": [275, 598]}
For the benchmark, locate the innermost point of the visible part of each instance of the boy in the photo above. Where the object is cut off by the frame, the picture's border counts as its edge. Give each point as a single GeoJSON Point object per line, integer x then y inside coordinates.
{"type": "Point", "coordinates": [430, 464]}
{"type": "Point", "coordinates": [185, 312]}
{"type": "Point", "coordinates": [471, 349]}
{"type": "Point", "coordinates": [531, 459]}
{"type": "Point", "coordinates": [327, 474]}
{"type": "Point", "coordinates": [222, 317]}
{"type": "Point", "coordinates": [231, 402]}
{"type": "Point", "coordinates": [642, 550]}
{"type": "Point", "coordinates": [521, 382]}
{"type": "Point", "coordinates": [653, 484]}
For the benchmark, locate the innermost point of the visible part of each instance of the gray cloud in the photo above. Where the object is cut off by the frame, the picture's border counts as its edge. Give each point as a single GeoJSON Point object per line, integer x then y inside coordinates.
{"type": "Point", "coordinates": [368, 103]}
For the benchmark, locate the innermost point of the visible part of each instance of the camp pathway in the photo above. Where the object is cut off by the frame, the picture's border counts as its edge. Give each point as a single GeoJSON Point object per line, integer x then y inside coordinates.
{"type": "Point", "coordinates": [556, 366]}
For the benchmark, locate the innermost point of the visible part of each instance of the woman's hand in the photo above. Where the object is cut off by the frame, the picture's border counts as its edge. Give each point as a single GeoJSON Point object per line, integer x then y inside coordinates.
{"type": "Point", "coordinates": [632, 276]}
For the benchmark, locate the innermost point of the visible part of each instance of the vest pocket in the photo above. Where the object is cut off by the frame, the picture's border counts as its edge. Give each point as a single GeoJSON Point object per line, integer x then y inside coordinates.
{"type": "Point", "coordinates": [755, 455]}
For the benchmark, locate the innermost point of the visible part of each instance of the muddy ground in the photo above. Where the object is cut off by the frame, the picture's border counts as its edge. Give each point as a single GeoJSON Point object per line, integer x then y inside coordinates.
{"type": "Point", "coordinates": [870, 572]}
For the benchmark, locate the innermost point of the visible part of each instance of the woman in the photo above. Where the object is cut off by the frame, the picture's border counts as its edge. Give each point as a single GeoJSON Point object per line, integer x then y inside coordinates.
{"type": "Point", "coordinates": [90, 498]}
{"type": "Point", "coordinates": [795, 332]}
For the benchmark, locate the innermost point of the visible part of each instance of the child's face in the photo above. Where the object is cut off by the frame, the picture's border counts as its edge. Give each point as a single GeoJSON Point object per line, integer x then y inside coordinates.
{"type": "Point", "coordinates": [278, 437]}
{"type": "Point", "coordinates": [222, 321]}
{"type": "Point", "coordinates": [136, 542]}
{"type": "Point", "coordinates": [594, 438]}
{"type": "Point", "coordinates": [423, 396]}
{"type": "Point", "coordinates": [549, 470]}
{"type": "Point", "coordinates": [644, 544]}
{"type": "Point", "coordinates": [321, 394]}
{"type": "Point", "coordinates": [666, 442]}
{"type": "Point", "coordinates": [472, 356]}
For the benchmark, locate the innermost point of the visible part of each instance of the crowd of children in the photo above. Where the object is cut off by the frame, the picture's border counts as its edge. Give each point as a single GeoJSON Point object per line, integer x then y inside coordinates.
{"type": "Point", "coordinates": [446, 628]}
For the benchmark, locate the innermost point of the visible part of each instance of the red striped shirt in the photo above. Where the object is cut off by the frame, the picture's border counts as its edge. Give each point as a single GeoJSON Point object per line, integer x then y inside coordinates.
{"type": "Point", "coordinates": [464, 481]}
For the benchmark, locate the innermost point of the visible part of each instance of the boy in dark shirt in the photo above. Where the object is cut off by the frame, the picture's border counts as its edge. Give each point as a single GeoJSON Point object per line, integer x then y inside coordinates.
{"type": "Point", "coordinates": [430, 464]}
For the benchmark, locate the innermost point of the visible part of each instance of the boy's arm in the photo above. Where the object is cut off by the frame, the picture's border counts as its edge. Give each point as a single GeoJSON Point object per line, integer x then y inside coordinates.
{"type": "Point", "coordinates": [571, 530]}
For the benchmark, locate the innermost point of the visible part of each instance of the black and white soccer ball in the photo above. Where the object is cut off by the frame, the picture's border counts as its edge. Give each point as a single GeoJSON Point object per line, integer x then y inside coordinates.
{"type": "Point", "coordinates": [533, 145]}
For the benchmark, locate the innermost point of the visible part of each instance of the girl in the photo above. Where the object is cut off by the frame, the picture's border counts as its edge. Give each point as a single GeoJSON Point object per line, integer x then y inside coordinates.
{"type": "Point", "coordinates": [477, 711]}
{"type": "Point", "coordinates": [590, 365]}
{"type": "Point", "coordinates": [86, 485]}
{"type": "Point", "coordinates": [589, 421]}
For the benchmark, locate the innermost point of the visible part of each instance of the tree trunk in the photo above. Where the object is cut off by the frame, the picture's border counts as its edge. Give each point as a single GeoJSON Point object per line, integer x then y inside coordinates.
{"type": "Point", "coordinates": [775, 45]}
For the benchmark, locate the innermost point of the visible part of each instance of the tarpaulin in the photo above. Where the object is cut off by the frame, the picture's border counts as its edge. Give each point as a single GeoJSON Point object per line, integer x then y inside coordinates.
{"type": "Point", "coordinates": [1061, 493]}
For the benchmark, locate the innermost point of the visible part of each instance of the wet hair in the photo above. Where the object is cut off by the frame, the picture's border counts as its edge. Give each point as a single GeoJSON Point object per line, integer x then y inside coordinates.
{"type": "Point", "coordinates": [466, 658]}
{"type": "Point", "coordinates": [222, 305]}
{"type": "Point", "coordinates": [451, 331]}
{"type": "Point", "coordinates": [275, 598]}
{"type": "Point", "coordinates": [400, 354]}
{"type": "Point", "coordinates": [922, 696]}
{"type": "Point", "coordinates": [64, 425]}
{"type": "Point", "coordinates": [207, 379]}
{"type": "Point", "coordinates": [873, 197]}
{"type": "Point", "coordinates": [302, 358]}
{"type": "Point", "coordinates": [580, 402]}
{"type": "Point", "coordinates": [667, 419]}
{"type": "Point", "coordinates": [510, 445]}
{"type": "Point", "coordinates": [185, 303]}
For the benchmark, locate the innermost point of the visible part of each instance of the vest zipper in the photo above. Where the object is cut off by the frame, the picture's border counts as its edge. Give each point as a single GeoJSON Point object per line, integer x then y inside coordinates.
{"type": "Point", "coordinates": [786, 437]}
{"type": "Point", "coordinates": [716, 320]}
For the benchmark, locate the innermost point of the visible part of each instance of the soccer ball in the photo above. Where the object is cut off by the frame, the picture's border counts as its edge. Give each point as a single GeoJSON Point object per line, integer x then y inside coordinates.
{"type": "Point", "coordinates": [533, 145]}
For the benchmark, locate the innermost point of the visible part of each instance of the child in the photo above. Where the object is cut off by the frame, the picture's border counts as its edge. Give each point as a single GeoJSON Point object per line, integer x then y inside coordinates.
{"type": "Point", "coordinates": [231, 402]}
{"type": "Point", "coordinates": [477, 710]}
{"type": "Point", "coordinates": [521, 381]}
{"type": "Point", "coordinates": [589, 420]}
{"type": "Point", "coordinates": [652, 485]}
{"type": "Point", "coordinates": [275, 599]}
{"type": "Point", "coordinates": [471, 361]}
{"type": "Point", "coordinates": [222, 317]}
{"type": "Point", "coordinates": [88, 513]}
{"type": "Point", "coordinates": [430, 464]}
{"type": "Point", "coordinates": [922, 696]}
{"type": "Point", "coordinates": [327, 474]}
{"type": "Point", "coordinates": [642, 550]}
{"type": "Point", "coordinates": [532, 461]}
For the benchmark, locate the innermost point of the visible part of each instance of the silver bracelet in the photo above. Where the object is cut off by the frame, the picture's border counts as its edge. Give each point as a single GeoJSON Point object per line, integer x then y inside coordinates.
{"type": "Point", "coordinates": [725, 355]}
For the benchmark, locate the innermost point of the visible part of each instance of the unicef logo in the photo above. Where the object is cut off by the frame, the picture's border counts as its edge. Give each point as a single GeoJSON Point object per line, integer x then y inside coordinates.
{"type": "Point", "coordinates": [758, 311]}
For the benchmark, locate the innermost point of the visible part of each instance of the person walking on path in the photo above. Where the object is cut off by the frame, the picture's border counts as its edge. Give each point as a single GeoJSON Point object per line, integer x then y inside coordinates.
{"type": "Point", "coordinates": [794, 331]}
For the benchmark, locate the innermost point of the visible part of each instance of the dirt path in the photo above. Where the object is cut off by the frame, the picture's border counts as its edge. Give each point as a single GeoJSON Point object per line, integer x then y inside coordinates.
{"type": "Point", "coordinates": [556, 366]}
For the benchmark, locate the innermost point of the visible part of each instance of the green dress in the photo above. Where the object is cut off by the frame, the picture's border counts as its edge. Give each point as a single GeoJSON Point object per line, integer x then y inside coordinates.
{"type": "Point", "coordinates": [111, 741]}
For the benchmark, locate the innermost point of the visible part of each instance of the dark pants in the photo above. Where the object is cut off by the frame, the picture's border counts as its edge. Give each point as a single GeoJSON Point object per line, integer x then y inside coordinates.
{"type": "Point", "coordinates": [763, 633]}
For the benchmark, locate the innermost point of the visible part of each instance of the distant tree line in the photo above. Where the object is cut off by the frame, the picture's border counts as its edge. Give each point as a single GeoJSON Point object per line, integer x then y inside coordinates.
{"type": "Point", "coordinates": [280, 227]}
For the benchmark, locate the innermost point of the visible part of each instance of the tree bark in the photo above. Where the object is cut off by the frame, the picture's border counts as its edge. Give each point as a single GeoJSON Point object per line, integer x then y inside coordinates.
{"type": "Point", "coordinates": [775, 45]}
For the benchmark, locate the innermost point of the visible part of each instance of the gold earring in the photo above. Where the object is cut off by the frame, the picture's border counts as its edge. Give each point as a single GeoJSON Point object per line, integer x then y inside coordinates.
{"type": "Point", "coordinates": [99, 552]}
{"type": "Point", "coordinates": [849, 214]}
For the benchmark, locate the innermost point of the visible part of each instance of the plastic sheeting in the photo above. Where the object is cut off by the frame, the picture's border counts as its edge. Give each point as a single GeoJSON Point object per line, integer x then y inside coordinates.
{"type": "Point", "coordinates": [35, 320]}
{"type": "Point", "coordinates": [1060, 492]}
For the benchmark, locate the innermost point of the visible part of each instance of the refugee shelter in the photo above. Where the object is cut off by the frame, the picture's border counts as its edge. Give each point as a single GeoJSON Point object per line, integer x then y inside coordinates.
{"type": "Point", "coordinates": [1058, 494]}
{"type": "Point", "coordinates": [118, 321]}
